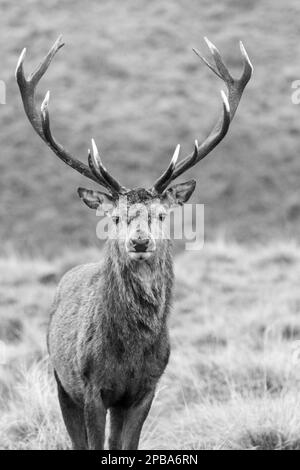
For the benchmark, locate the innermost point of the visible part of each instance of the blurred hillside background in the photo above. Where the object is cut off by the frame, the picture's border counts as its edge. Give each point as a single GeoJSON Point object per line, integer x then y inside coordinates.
{"type": "Point", "coordinates": [127, 77]}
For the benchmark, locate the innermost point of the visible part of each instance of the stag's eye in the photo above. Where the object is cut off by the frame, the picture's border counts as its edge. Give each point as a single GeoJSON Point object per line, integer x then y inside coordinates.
{"type": "Point", "coordinates": [116, 219]}
{"type": "Point", "coordinates": [162, 217]}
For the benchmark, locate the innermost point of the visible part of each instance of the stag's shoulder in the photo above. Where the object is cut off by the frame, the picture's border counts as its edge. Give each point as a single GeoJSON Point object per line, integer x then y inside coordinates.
{"type": "Point", "coordinates": [81, 278]}
{"type": "Point", "coordinates": [83, 274]}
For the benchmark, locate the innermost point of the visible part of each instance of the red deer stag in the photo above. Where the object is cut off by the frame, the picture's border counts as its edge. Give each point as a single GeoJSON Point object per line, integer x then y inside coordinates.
{"type": "Point", "coordinates": [108, 337]}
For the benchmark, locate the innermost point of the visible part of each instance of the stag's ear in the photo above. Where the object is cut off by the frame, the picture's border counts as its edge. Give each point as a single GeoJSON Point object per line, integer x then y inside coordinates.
{"type": "Point", "coordinates": [179, 193]}
{"type": "Point", "coordinates": [94, 199]}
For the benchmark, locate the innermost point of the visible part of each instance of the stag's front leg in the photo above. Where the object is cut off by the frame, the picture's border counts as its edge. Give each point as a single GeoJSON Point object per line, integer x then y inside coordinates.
{"type": "Point", "coordinates": [134, 420]}
{"type": "Point", "coordinates": [95, 419]}
{"type": "Point", "coordinates": [116, 415]}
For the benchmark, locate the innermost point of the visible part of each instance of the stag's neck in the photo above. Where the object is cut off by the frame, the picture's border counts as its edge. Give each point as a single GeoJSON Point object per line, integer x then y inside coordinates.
{"type": "Point", "coordinates": [138, 293]}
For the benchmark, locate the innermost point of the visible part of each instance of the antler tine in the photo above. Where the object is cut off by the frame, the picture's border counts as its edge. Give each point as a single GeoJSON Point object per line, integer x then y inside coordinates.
{"type": "Point", "coordinates": [40, 121]}
{"type": "Point", "coordinates": [248, 67]}
{"type": "Point", "coordinates": [235, 89]}
{"type": "Point", "coordinates": [43, 66]}
{"type": "Point", "coordinates": [102, 172]}
{"type": "Point", "coordinates": [222, 70]}
{"type": "Point", "coordinates": [100, 180]}
{"type": "Point", "coordinates": [28, 85]}
{"type": "Point", "coordinates": [163, 180]}
{"type": "Point", "coordinates": [209, 144]}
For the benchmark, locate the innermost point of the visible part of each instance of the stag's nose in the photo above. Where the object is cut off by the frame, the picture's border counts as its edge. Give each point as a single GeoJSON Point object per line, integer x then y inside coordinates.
{"type": "Point", "coordinates": [140, 244]}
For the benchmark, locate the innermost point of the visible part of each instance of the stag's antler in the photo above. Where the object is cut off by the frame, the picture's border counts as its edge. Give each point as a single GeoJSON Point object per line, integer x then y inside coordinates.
{"type": "Point", "coordinates": [40, 121]}
{"type": "Point", "coordinates": [235, 90]}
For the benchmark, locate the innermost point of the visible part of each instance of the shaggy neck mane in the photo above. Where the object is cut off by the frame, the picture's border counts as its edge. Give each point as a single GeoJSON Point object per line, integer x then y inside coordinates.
{"type": "Point", "coordinates": [137, 293]}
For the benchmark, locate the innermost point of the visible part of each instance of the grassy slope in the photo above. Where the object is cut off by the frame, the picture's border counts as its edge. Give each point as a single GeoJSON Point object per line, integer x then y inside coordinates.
{"type": "Point", "coordinates": [127, 76]}
{"type": "Point", "coordinates": [233, 377]}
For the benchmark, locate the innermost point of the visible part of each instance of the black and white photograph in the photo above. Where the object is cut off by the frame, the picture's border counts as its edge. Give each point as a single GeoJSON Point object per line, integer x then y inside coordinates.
{"type": "Point", "coordinates": [150, 228]}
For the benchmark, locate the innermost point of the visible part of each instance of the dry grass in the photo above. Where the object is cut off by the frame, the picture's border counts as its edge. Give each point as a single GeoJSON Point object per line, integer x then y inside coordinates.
{"type": "Point", "coordinates": [233, 378]}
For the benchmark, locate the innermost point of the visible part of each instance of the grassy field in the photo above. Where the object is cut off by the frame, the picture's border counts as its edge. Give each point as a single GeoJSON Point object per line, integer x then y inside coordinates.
{"type": "Point", "coordinates": [233, 378]}
{"type": "Point", "coordinates": [127, 76]}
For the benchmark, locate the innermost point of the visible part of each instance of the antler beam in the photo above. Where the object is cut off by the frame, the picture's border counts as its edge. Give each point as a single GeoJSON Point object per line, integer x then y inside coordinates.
{"type": "Point", "coordinates": [235, 89]}
{"type": "Point", "coordinates": [40, 121]}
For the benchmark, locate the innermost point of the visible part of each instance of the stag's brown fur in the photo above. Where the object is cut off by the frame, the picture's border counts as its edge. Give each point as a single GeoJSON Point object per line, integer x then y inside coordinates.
{"type": "Point", "coordinates": [109, 342]}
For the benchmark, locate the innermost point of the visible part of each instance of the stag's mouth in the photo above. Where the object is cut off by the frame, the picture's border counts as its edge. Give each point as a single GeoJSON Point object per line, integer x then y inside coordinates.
{"type": "Point", "coordinates": [140, 255]}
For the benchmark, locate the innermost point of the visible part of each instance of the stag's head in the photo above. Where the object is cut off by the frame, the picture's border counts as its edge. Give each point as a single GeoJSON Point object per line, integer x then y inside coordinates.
{"type": "Point", "coordinates": [137, 215]}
